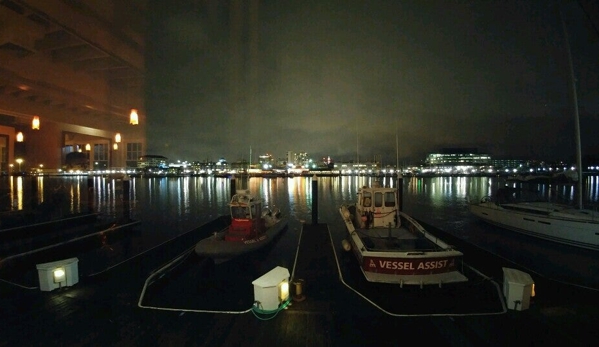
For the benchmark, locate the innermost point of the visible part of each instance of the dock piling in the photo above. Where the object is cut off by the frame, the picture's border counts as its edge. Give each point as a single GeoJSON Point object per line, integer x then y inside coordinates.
{"type": "Point", "coordinates": [314, 200]}
{"type": "Point", "coordinates": [126, 199]}
{"type": "Point", "coordinates": [90, 193]}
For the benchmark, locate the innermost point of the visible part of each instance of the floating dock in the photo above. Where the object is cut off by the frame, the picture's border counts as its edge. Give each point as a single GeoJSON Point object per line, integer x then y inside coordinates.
{"type": "Point", "coordinates": [169, 296]}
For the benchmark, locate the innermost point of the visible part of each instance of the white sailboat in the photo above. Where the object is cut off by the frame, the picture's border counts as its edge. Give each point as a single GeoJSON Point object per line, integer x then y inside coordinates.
{"type": "Point", "coordinates": [571, 225]}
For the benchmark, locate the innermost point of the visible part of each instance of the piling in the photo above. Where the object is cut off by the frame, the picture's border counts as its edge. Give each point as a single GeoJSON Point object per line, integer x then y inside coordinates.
{"type": "Point", "coordinates": [314, 200]}
{"type": "Point", "coordinates": [126, 198]}
{"type": "Point", "coordinates": [233, 183]}
{"type": "Point", "coordinates": [90, 193]}
{"type": "Point", "coordinates": [34, 192]}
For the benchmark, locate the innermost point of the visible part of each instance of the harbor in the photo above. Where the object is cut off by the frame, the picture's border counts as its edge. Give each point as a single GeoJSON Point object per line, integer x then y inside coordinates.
{"type": "Point", "coordinates": [164, 294]}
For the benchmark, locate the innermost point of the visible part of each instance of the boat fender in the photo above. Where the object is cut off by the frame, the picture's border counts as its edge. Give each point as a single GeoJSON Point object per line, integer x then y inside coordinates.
{"type": "Point", "coordinates": [346, 245]}
{"type": "Point", "coordinates": [346, 214]}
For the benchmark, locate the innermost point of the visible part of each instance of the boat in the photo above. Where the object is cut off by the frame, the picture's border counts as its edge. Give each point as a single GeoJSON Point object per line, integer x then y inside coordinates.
{"type": "Point", "coordinates": [252, 227]}
{"type": "Point", "coordinates": [391, 246]}
{"type": "Point", "coordinates": [566, 224]}
{"type": "Point", "coordinates": [510, 209]}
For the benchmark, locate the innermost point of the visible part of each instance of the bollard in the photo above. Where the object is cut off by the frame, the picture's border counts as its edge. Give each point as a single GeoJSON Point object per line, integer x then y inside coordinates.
{"type": "Point", "coordinates": [232, 184]}
{"type": "Point", "coordinates": [314, 200]}
{"type": "Point", "coordinates": [299, 294]}
{"type": "Point", "coordinates": [126, 189]}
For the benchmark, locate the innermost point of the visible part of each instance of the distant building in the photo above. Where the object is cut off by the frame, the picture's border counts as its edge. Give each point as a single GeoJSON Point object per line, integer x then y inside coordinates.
{"type": "Point", "coordinates": [298, 160]}
{"type": "Point", "coordinates": [508, 164]}
{"type": "Point", "coordinates": [458, 157]}
{"type": "Point", "coordinates": [152, 162]}
{"type": "Point", "coordinates": [266, 161]}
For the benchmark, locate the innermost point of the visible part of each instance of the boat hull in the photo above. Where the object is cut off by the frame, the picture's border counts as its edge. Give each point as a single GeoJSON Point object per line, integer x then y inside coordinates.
{"type": "Point", "coordinates": [559, 227]}
{"type": "Point", "coordinates": [410, 257]}
{"type": "Point", "coordinates": [219, 250]}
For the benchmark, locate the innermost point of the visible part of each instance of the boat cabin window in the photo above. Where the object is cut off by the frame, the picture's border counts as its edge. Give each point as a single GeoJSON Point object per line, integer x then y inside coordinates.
{"type": "Point", "coordinates": [367, 199]}
{"type": "Point", "coordinates": [240, 212]}
{"type": "Point", "coordinates": [378, 199]}
{"type": "Point", "coordinates": [389, 199]}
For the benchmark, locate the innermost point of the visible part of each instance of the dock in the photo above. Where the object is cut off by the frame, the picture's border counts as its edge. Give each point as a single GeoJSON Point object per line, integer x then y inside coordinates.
{"type": "Point", "coordinates": [168, 296]}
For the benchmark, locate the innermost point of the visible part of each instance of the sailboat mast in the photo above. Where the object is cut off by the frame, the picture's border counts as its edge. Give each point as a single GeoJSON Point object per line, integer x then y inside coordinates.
{"type": "Point", "coordinates": [358, 149]}
{"type": "Point", "coordinates": [396, 147]}
{"type": "Point", "coordinates": [396, 151]}
{"type": "Point", "coordinates": [576, 116]}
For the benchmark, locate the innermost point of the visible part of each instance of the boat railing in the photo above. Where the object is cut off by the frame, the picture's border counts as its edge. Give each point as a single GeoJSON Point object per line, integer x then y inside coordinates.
{"type": "Point", "coordinates": [414, 224]}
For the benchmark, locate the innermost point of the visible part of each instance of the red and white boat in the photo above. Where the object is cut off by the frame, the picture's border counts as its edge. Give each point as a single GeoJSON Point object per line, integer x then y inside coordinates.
{"type": "Point", "coordinates": [392, 247]}
{"type": "Point", "coordinates": [252, 227]}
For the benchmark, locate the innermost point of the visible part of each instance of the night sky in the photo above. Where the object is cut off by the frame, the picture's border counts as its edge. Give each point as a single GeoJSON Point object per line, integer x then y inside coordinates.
{"type": "Point", "coordinates": [347, 78]}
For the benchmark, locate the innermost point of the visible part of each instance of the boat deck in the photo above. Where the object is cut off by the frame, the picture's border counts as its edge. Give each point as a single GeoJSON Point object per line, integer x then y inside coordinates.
{"type": "Point", "coordinates": [396, 239]}
{"type": "Point", "coordinates": [191, 302]}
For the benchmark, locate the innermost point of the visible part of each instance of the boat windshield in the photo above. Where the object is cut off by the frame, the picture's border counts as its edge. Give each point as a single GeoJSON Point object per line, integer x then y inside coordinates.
{"type": "Point", "coordinates": [246, 211]}
{"type": "Point", "coordinates": [240, 212]}
{"type": "Point", "coordinates": [378, 199]}
{"type": "Point", "coordinates": [367, 199]}
{"type": "Point", "coordinates": [389, 199]}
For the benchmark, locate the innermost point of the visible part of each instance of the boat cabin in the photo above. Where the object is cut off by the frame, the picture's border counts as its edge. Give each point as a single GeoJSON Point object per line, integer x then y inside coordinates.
{"type": "Point", "coordinates": [246, 220]}
{"type": "Point", "coordinates": [377, 207]}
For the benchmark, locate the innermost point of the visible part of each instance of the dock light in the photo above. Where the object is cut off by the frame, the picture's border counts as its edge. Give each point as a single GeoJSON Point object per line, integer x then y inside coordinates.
{"type": "Point", "coordinates": [20, 137]}
{"type": "Point", "coordinates": [58, 274]}
{"type": "Point", "coordinates": [283, 291]}
{"type": "Point", "coordinates": [518, 288]}
{"type": "Point", "coordinates": [272, 289]}
{"type": "Point", "coordinates": [35, 123]}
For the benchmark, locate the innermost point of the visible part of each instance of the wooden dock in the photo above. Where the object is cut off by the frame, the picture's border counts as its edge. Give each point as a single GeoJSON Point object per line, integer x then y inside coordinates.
{"type": "Point", "coordinates": [167, 296]}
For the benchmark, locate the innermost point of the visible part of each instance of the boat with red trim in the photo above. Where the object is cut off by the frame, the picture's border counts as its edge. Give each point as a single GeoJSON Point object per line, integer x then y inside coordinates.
{"type": "Point", "coordinates": [252, 227]}
{"type": "Point", "coordinates": [392, 247]}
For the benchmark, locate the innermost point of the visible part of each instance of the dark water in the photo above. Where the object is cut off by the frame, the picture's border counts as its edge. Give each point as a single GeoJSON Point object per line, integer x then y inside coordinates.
{"type": "Point", "coordinates": [170, 206]}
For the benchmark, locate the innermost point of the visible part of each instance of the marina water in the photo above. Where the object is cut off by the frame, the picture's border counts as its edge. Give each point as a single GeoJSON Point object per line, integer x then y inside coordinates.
{"type": "Point", "coordinates": [170, 206]}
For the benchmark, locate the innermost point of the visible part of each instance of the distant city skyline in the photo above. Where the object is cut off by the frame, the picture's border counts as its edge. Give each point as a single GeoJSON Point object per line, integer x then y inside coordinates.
{"type": "Point", "coordinates": [422, 161]}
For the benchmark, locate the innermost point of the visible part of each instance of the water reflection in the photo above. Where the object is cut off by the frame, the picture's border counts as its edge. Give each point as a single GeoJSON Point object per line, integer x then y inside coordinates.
{"type": "Point", "coordinates": [182, 201]}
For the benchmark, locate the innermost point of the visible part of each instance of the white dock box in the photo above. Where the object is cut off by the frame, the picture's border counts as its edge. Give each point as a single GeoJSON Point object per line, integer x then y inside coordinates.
{"type": "Point", "coordinates": [62, 273]}
{"type": "Point", "coordinates": [272, 288]}
{"type": "Point", "coordinates": [518, 287]}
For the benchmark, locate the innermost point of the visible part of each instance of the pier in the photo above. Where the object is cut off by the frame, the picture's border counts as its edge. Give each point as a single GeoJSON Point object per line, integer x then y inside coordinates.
{"type": "Point", "coordinates": [169, 296]}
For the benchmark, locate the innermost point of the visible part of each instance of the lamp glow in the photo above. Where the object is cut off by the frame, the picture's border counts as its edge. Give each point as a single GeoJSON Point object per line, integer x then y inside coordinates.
{"type": "Point", "coordinates": [88, 147]}
{"type": "Point", "coordinates": [19, 161]}
{"type": "Point", "coordinates": [117, 138]}
{"type": "Point", "coordinates": [133, 118]}
{"type": "Point", "coordinates": [115, 146]}
{"type": "Point", "coordinates": [20, 136]}
{"type": "Point", "coordinates": [283, 291]}
{"type": "Point", "coordinates": [35, 123]}
{"type": "Point", "coordinates": [59, 275]}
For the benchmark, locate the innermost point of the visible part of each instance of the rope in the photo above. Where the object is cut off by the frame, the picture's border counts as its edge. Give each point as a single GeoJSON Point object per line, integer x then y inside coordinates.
{"type": "Point", "coordinates": [256, 310]}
